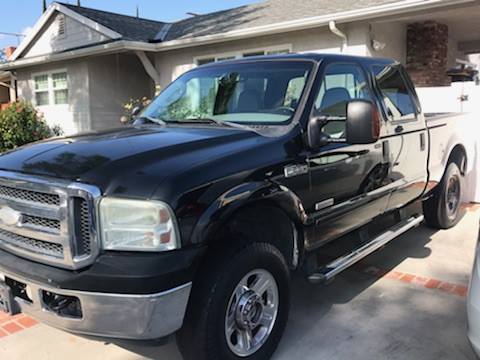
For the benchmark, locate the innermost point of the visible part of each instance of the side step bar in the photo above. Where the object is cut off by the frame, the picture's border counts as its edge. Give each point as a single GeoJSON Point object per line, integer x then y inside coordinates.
{"type": "Point", "coordinates": [338, 265]}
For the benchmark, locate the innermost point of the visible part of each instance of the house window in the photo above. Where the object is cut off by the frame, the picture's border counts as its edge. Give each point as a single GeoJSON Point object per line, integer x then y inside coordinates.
{"type": "Point", "coordinates": [254, 53]}
{"type": "Point", "coordinates": [243, 54]}
{"type": "Point", "coordinates": [277, 52]}
{"type": "Point", "coordinates": [205, 61]}
{"type": "Point", "coordinates": [60, 89]}
{"type": "Point", "coordinates": [51, 89]}
{"type": "Point", "coordinates": [41, 90]}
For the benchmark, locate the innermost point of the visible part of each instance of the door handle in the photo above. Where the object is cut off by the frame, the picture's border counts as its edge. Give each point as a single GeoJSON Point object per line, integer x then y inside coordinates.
{"type": "Point", "coordinates": [399, 129]}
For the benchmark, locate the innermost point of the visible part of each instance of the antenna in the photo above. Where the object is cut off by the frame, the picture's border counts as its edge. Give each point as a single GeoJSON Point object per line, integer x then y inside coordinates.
{"type": "Point", "coordinates": [44, 4]}
{"type": "Point", "coordinates": [79, 3]}
{"type": "Point", "coordinates": [138, 12]}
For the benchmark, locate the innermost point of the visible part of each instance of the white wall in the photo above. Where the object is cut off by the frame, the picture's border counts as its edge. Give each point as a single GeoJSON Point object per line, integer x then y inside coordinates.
{"type": "Point", "coordinates": [447, 98]}
{"type": "Point", "coordinates": [76, 35]}
{"type": "Point", "coordinates": [394, 36]}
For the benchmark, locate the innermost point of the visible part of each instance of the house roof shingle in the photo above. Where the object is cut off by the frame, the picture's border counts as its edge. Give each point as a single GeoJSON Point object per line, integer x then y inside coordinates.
{"type": "Point", "coordinates": [259, 14]}
{"type": "Point", "coordinates": [263, 13]}
{"type": "Point", "coordinates": [130, 27]}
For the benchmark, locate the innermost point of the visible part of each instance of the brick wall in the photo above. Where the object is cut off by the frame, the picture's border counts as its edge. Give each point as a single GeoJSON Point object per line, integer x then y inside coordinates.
{"type": "Point", "coordinates": [427, 53]}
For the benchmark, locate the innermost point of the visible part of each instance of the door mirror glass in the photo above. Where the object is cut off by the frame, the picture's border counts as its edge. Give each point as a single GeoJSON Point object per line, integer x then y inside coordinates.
{"type": "Point", "coordinates": [135, 111]}
{"type": "Point", "coordinates": [363, 122]}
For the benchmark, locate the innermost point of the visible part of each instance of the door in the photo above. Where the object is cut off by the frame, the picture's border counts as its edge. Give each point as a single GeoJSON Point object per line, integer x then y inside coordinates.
{"type": "Point", "coordinates": [348, 184]}
{"type": "Point", "coordinates": [407, 137]}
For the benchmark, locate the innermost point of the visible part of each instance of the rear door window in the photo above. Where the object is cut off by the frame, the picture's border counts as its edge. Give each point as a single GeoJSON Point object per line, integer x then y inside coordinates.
{"type": "Point", "coordinates": [395, 93]}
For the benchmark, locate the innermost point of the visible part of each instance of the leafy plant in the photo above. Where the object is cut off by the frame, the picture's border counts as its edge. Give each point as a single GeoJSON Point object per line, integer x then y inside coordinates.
{"type": "Point", "coordinates": [130, 105]}
{"type": "Point", "coordinates": [20, 124]}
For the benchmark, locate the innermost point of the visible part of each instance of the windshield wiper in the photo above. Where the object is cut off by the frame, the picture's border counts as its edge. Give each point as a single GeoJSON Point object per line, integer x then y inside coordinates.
{"type": "Point", "coordinates": [151, 119]}
{"type": "Point", "coordinates": [201, 121]}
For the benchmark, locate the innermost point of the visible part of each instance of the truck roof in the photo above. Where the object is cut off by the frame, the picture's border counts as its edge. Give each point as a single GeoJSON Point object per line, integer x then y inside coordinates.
{"type": "Point", "coordinates": [313, 56]}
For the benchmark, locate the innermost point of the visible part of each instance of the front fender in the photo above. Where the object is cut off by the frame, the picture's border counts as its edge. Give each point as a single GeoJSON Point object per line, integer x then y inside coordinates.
{"type": "Point", "coordinates": [244, 194]}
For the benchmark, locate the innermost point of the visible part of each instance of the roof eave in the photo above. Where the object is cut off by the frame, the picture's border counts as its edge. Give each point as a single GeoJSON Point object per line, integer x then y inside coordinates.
{"type": "Point", "coordinates": [396, 8]}
{"type": "Point", "coordinates": [99, 49]}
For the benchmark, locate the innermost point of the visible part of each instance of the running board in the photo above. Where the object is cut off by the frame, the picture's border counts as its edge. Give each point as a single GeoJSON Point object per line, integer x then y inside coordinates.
{"type": "Point", "coordinates": [329, 271]}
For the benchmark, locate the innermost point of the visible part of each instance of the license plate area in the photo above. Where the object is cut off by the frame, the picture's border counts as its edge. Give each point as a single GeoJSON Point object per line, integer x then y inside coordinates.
{"type": "Point", "coordinates": [6, 299]}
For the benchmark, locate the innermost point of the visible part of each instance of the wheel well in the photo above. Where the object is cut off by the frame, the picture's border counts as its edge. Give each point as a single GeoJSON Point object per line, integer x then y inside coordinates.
{"type": "Point", "coordinates": [260, 222]}
{"type": "Point", "coordinates": [458, 155]}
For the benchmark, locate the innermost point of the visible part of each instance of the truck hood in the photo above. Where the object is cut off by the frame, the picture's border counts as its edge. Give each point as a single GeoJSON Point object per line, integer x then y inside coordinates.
{"type": "Point", "coordinates": [123, 159]}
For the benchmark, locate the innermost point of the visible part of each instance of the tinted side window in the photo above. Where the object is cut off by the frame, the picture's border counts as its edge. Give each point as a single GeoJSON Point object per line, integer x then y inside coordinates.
{"type": "Point", "coordinates": [396, 96]}
{"type": "Point", "coordinates": [341, 84]}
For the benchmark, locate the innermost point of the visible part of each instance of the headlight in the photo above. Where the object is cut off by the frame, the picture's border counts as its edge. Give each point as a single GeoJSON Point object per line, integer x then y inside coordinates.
{"type": "Point", "coordinates": [132, 225]}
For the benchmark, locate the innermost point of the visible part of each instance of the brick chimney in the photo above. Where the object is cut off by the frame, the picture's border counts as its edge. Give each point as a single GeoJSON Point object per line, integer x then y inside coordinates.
{"type": "Point", "coordinates": [427, 53]}
{"type": "Point", "coordinates": [9, 51]}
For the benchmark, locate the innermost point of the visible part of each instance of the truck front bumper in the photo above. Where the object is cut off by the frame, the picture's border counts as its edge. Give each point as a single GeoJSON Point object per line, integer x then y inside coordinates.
{"type": "Point", "coordinates": [106, 315]}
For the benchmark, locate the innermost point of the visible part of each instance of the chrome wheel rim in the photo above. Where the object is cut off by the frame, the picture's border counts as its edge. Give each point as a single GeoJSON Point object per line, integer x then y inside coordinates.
{"type": "Point", "coordinates": [453, 196]}
{"type": "Point", "coordinates": [251, 312]}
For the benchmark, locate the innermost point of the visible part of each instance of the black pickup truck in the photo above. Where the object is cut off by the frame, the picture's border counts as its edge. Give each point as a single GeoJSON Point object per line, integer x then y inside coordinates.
{"type": "Point", "coordinates": [192, 219]}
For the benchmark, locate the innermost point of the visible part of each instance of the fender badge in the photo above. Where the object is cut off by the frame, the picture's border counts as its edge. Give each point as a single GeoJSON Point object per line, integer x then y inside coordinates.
{"type": "Point", "coordinates": [8, 216]}
{"type": "Point", "coordinates": [295, 170]}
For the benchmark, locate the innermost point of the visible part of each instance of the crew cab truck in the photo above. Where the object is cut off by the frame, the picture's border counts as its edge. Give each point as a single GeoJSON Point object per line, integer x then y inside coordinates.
{"type": "Point", "coordinates": [191, 220]}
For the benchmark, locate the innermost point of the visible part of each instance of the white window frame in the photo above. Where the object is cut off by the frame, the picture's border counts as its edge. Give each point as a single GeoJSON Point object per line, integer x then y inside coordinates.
{"type": "Point", "coordinates": [50, 89]}
{"type": "Point", "coordinates": [239, 54]}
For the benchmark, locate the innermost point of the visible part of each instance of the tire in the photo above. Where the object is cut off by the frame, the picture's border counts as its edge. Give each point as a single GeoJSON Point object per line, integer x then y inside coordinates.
{"type": "Point", "coordinates": [442, 210]}
{"type": "Point", "coordinates": [214, 307]}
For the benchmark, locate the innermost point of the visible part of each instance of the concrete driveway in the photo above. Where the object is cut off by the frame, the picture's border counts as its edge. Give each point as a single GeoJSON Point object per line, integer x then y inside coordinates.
{"type": "Point", "coordinates": [407, 301]}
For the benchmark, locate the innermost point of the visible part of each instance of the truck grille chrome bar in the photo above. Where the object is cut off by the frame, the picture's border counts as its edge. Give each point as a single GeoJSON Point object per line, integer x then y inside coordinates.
{"type": "Point", "coordinates": [53, 220]}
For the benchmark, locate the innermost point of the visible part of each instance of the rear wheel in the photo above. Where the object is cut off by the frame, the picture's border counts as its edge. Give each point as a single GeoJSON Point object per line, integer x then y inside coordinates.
{"type": "Point", "coordinates": [239, 307]}
{"type": "Point", "coordinates": [442, 210]}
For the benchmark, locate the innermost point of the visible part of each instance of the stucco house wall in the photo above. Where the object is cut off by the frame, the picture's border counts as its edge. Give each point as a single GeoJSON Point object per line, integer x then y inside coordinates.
{"type": "Point", "coordinates": [394, 36]}
{"type": "Point", "coordinates": [98, 87]}
{"type": "Point", "coordinates": [114, 80]}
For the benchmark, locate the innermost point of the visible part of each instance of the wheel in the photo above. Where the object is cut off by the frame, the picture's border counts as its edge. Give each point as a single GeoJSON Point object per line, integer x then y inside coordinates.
{"type": "Point", "coordinates": [239, 308]}
{"type": "Point", "coordinates": [442, 210]}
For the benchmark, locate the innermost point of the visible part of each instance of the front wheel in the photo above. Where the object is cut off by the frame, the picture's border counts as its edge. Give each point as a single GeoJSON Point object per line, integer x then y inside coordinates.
{"type": "Point", "coordinates": [239, 308]}
{"type": "Point", "coordinates": [442, 210]}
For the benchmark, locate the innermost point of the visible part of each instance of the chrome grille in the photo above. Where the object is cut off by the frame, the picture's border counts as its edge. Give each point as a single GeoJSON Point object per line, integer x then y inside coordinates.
{"type": "Point", "coordinates": [29, 244]}
{"type": "Point", "coordinates": [30, 196]}
{"type": "Point", "coordinates": [41, 222]}
{"type": "Point", "coordinates": [56, 220]}
{"type": "Point", "coordinates": [84, 233]}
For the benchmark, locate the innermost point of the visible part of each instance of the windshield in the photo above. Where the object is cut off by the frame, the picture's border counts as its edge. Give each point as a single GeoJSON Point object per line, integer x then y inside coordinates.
{"type": "Point", "coordinates": [262, 92]}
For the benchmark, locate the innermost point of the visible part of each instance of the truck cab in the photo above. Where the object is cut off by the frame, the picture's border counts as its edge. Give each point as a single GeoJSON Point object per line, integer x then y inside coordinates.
{"type": "Point", "coordinates": [190, 220]}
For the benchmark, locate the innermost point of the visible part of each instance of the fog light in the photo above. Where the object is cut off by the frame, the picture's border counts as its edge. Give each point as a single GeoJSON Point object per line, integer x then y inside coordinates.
{"type": "Point", "coordinates": [62, 305]}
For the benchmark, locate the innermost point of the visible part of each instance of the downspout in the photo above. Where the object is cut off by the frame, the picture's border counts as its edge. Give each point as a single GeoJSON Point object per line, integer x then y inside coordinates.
{"type": "Point", "coordinates": [333, 28]}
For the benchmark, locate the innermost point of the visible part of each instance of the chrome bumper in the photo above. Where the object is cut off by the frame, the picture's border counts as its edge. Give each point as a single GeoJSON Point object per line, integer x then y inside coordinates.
{"type": "Point", "coordinates": [121, 316]}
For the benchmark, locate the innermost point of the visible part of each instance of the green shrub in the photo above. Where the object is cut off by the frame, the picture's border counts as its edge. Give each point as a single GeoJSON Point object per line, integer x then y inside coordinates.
{"type": "Point", "coordinates": [21, 124]}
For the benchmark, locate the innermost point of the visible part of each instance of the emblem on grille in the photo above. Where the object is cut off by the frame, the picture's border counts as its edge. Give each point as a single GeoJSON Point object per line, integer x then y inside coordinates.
{"type": "Point", "coordinates": [8, 216]}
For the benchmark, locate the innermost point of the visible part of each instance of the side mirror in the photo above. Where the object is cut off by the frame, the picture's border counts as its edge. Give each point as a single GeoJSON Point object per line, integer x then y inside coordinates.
{"type": "Point", "coordinates": [136, 110]}
{"type": "Point", "coordinates": [363, 123]}
{"type": "Point", "coordinates": [315, 136]}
